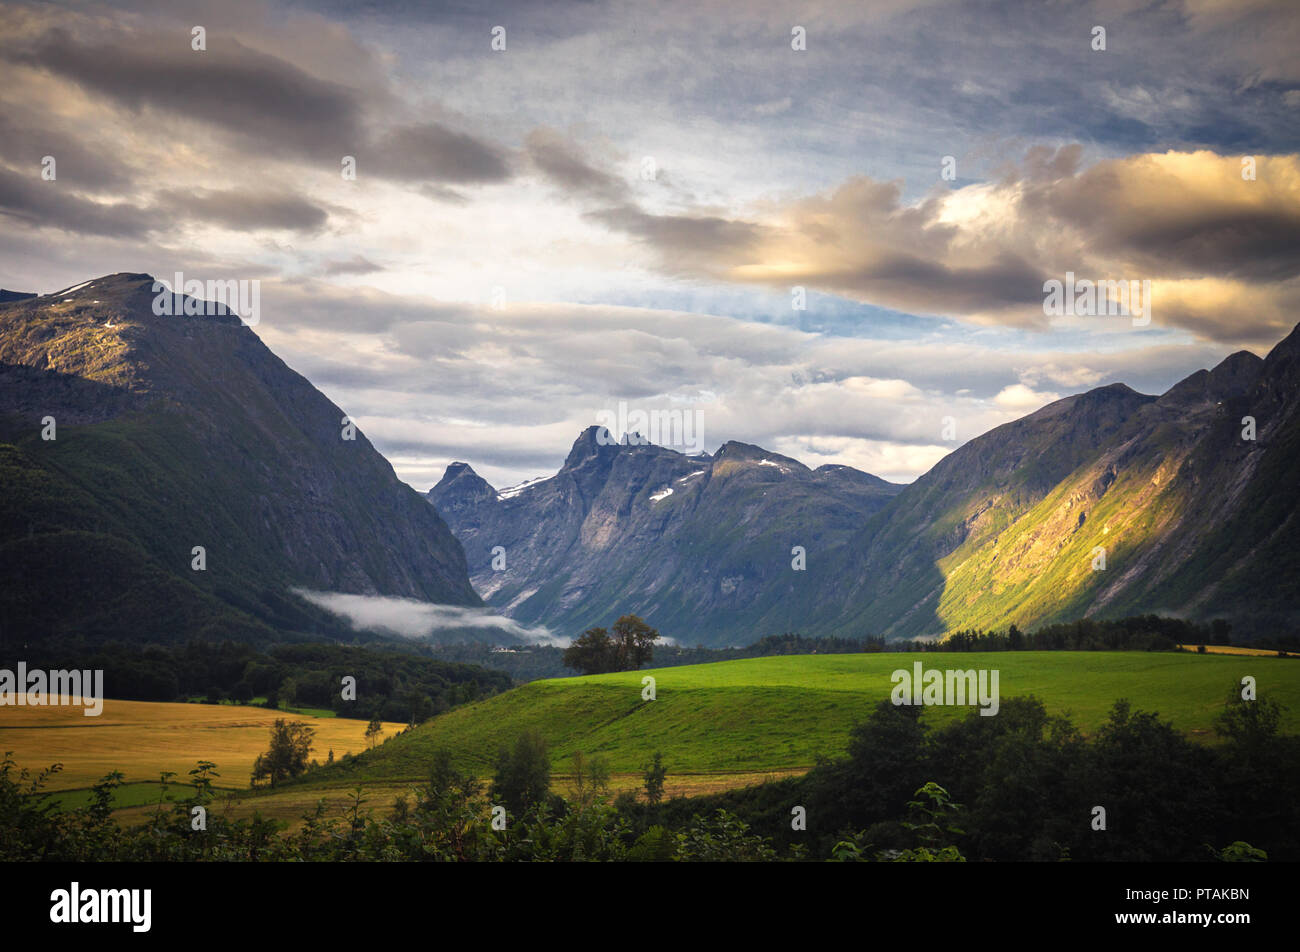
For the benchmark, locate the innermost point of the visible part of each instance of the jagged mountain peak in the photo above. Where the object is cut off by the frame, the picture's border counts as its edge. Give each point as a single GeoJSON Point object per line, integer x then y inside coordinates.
{"type": "Point", "coordinates": [1234, 376]}
{"type": "Point", "coordinates": [593, 443]}
{"type": "Point", "coordinates": [462, 476]}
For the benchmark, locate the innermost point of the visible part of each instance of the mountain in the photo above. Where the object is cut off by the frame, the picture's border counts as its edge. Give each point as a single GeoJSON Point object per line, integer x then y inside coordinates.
{"type": "Point", "coordinates": [1194, 520]}
{"type": "Point", "coordinates": [1191, 519]}
{"type": "Point", "coordinates": [700, 546]}
{"type": "Point", "coordinates": [172, 432]}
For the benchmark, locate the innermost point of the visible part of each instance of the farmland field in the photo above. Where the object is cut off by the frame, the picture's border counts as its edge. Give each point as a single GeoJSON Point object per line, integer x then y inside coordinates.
{"type": "Point", "coordinates": [718, 726]}
{"type": "Point", "coordinates": [142, 739]}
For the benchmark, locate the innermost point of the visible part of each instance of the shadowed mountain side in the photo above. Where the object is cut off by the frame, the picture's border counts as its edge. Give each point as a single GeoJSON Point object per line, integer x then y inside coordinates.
{"type": "Point", "coordinates": [183, 431]}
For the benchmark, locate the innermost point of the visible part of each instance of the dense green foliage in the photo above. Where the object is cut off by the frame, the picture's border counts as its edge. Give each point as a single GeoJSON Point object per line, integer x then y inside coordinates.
{"type": "Point", "coordinates": [1030, 783]}
{"type": "Point", "coordinates": [1024, 785]}
{"type": "Point", "coordinates": [393, 685]}
{"type": "Point", "coordinates": [1139, 633]}
{"type": "Point", "coordinates": [287, 756]}
{"type": "Point", "coordinates": [597, 651]}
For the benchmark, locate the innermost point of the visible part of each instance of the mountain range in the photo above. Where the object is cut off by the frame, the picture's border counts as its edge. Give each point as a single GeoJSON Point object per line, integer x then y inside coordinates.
{"type": "Point", "coordinates": [701, 544]}
{"type": "Point", "coordinates": [131, 441]}
{"type": "Point", "coordinates": [1104, 504]}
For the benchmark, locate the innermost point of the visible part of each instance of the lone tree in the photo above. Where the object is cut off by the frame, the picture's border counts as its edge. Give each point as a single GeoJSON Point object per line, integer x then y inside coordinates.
{"type": "Point", "coordinates": [654, 779]}
{"type": "Point", "coordinates": [523, 775]}
{"type": "Point", "coordinates": [287, 756]}
{"type": "Point", "coordinates": [374, 730]}
{"type": "Point", "coordinates": [598, 651]}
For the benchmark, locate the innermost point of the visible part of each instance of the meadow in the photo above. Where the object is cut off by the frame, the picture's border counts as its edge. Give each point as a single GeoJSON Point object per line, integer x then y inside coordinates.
{"type": "Point", "coordinates": [718, 726]}
{"type": "Point", "coordinates": [783, 713]}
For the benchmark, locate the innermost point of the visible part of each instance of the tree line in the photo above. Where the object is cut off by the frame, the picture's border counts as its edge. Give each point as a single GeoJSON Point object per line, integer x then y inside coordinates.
{"type": "Point", "coordinates": [391, 684]}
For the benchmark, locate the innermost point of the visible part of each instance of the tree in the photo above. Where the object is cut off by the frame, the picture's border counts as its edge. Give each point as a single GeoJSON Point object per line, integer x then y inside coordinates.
{"type": "Point", "coordinates": [634, 640]}
{"type": "Point", "coordinates": [1250, 726]}
{"type": "Point", "coordinates": [592, 653]}
{"type": "Point", "coordinates": [590, 778]}
{"type": "Point", "coordinates": [523, 776]}
{"type": "Point", "coordinates": [287, 756]}
{"type": "Point", "coordinates": [598, 652]}
{"type": "Point", "coordinates": [654, 779]}
{"type": "Point", "coordinates": [374, 730]}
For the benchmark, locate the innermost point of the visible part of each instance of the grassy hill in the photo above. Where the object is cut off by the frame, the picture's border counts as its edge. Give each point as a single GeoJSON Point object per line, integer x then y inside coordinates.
{"type": "Point", "coordinates": [779, 713]}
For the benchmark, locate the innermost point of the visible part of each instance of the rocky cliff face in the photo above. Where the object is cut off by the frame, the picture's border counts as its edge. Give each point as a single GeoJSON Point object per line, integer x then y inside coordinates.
{"type": "Point", "coordinates": [181, 431]}
{"type": "Point", "coordinates": [700, 546]}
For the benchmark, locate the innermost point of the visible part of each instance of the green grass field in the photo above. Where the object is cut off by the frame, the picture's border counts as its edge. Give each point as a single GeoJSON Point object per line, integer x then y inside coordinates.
{"type": "Point", "coordinates": [781, 713]}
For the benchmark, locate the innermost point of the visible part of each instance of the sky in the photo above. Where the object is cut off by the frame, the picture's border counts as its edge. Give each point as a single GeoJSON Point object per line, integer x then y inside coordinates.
{"type": "Point", "coordinates": [821, 228]}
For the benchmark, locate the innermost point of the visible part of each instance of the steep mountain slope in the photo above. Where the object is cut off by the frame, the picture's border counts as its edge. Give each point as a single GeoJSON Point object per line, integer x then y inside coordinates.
{"type": "Point", "coordinates": [700, 546]}
{"type": "Point", "coordinates": [181, 431]}
{"type": "Point", "coordinates": [893, 577]}
{"type": "Point", "coordinates": [1105, 503]}
{"type": "Point", "coordinates": [1192, 519]}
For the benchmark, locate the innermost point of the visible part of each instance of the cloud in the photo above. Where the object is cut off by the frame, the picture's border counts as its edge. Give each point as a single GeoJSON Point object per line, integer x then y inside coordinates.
{"type": "Point", "coordinates": [433, 152]}
{"type": "Point", "coordinates": [563, 164]}
{"type": "Point", "coordinates": [1181, 214]}
{"type": "Point", "coordinates": [982, 252]}
{"type": "Point", "coordinates": [80, 160]}
{"type": "Point", "coordinates": [256, 102]}
{"type": "Point", "coordinates": [243, 209]}
{"type": "Point", "coordinates": [357, 264]}
{"type": "Point", "coordinates": [411, 618]}
{"type": "Point", "coordinates": [256, 97]}
{"type": "Point", "coordinates": [1022, 399]}
{"type": "Point", "coordinates": [774, 107]}
{"type": "Point", "coordinates": [39, 204]}
{"type": "Point", "coordinates": [508, 391]}
{"type": "Point", "coordinates": [680, 240]}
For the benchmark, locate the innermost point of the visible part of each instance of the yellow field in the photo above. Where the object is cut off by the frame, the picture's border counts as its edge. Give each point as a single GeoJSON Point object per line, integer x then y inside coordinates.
{"type": "Point", "coordinates": [142, 738]}
{"type": "Point", "coordinates": [1237, 650]}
